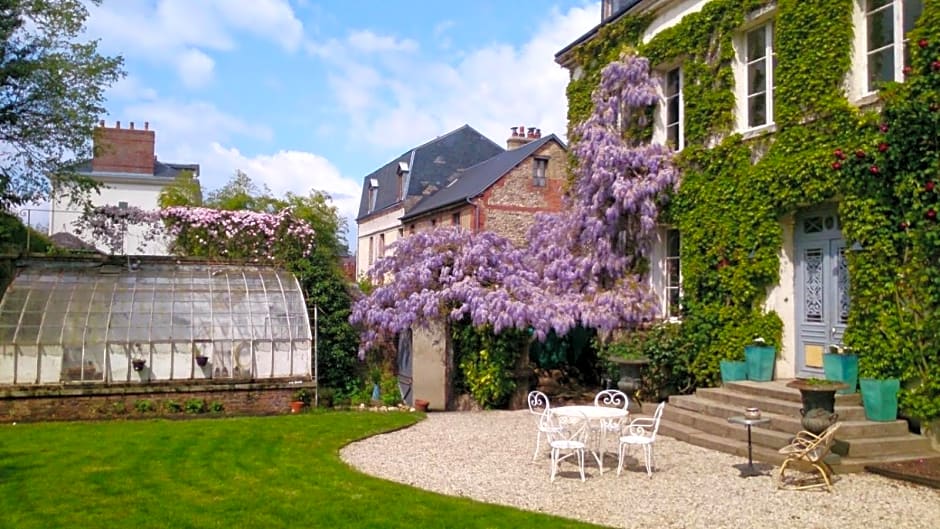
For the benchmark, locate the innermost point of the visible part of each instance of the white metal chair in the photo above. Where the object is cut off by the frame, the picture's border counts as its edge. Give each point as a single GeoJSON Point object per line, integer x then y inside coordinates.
{"type": "Point", "coordinates": [538, 405]}
{"type": "Point", "coordinates": [611, 398]}
{"type": "Point", "coordinates": [567, 436]}
{"type": "Point", "coordinates": [642, 432]}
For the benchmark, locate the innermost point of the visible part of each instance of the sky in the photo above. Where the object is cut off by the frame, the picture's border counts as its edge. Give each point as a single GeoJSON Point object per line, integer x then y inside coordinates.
{"type": "Point", "coordinates": [314, 95]}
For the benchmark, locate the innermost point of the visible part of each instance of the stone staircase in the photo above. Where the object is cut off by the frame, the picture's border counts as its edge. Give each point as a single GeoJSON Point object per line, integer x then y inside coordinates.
{"type": "Point", "coordinates": [702, 419]}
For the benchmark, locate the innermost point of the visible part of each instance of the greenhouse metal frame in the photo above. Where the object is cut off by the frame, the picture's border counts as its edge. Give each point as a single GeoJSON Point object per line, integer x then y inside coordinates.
{"type": "Point", "coordinates": [100, 323]}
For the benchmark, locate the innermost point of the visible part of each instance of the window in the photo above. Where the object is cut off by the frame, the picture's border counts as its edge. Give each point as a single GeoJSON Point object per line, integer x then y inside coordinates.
{"type": "Point", "coordinates": [373, 193]}
{"type": "Point", "coordinates": [122, 205]}
{"type": "Point", "coordinates": [673, 276]}
{"type": "Point", "coordinates": [371, 250]}
{"type": "Point", "coordinates": [609, 8]}
{"type": "Point", "coordinates": [760, 61]}
{"type": "Point", "coordinates": [381, 245]}
{"type": "Point", "coordinates": [887, 22]}
{"type": "Point", "coordinates": [412, 229]}
{"type": "Point", "coordinates": [455, 219]}
{"type": "Point", "coordinates": [540, 166]}
{"type": "Point", "coordinates": [672, 98]}
{"type": "Point", "coordinates": [433, 223]}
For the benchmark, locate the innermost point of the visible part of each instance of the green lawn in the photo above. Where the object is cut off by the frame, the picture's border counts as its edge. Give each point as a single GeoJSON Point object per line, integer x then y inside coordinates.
{"type": "Point", "coordinates": [264, 472]}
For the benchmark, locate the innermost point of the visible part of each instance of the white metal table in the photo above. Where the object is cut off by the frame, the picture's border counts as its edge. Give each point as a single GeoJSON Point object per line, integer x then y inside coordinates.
{"type": "Point", "coordinates": [748, 471]}
{"type": "Point", "coordinates": [594, 414]}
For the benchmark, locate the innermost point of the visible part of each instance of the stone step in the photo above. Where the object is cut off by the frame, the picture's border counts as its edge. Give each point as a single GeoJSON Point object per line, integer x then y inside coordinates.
{"type": "Point", "coordinates": [850, 429]}
{"type": "Point", "coordinates": [763, 454]}
{"type": "Point", "coordinates": [773, 404]}
{"type": "Point", "coordinates": [777, 389]}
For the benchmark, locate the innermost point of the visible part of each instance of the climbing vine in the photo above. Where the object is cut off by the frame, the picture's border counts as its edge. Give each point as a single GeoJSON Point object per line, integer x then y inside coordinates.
{"type": "Point", "coordinates": [736, 190]}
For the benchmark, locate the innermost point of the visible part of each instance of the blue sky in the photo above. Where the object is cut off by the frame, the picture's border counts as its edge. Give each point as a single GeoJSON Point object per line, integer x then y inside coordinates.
{"type": "Point", "coordinates": [304, 94]}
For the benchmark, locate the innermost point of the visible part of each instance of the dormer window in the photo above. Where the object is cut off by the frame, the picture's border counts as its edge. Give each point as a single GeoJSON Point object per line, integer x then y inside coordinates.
{"type": "Point", "coordinates": [373, 193]}
{"type": "Point", "coordinates": [610, 8]}
{"type": "Point", "coordinates": [402, 179]}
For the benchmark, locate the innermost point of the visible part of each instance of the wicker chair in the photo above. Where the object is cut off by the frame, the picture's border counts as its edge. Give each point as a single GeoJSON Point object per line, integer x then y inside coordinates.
{"type": "Point", "coordinates": [809, 451]}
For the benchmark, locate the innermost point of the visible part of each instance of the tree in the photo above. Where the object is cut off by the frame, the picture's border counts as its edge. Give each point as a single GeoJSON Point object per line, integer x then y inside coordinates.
{"type": "Point", "coordinates": [241, 192]}
{"type": "Point", "coordinates": [51, 94]}
{"type": "Point", "coordinates": [184, 190]}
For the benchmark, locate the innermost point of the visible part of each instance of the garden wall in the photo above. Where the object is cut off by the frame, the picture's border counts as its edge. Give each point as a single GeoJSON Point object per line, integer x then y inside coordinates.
{"type": "Point", "coordinates": [90, 402]}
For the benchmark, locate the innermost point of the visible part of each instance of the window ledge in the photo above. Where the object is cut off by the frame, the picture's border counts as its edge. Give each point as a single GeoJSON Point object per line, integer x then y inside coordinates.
{"type": "Point", "coordinates": [759, 131]}
{"type": "Point", "coordinates": [867, 100]}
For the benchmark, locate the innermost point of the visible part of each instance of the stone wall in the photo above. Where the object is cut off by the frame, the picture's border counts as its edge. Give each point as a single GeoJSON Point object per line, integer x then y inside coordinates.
{"type": "Point", "coordinates": [90, 402]}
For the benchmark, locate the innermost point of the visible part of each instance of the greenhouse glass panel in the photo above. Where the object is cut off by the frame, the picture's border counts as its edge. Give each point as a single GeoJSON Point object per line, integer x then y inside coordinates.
{"type": "Point", "coordinates": [59, 321]}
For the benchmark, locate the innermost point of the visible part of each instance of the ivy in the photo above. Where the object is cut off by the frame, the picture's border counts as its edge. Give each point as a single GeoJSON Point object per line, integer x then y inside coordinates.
{"type": "Point", "coordinates": [734, 191]}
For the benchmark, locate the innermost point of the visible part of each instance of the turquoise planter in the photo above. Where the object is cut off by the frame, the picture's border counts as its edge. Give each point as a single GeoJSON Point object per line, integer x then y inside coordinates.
{"type": "Point", "coordinates": [760, 362]}
{"type": "Point", "coordinates": [732, 370]}
{"type": "Point", "coordinates": [880, 398]}
{"type": "Point", "coordinates": [843, 368]}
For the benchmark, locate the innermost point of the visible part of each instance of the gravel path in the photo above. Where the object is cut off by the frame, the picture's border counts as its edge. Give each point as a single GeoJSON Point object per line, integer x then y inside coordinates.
{"type": "Point", "coordinates": [487, 456]}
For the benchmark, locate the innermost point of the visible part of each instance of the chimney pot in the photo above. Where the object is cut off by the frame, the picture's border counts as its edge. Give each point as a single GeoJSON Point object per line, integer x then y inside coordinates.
{"type": "Point", "coordinates": [514, 133]}
{"type": "Point", "coordinates": [101, 123]}
{"type": "Point", "coordinates": [146, 125]}
{"type": "Point", "coordinates": [132, 125]}
{"type": "Point", "coordinates": [117, 124]}
{"type": "Point", "coordinates": [538, 133]}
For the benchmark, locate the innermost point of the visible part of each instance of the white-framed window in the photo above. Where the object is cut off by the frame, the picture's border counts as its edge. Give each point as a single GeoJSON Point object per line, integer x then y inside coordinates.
{"type": "Point", "coordinates": [371, 250]}
{"type": "Point", "coordinates": [540, 167]}
{"type": "Point", "coordinates": [672, 109]}
{"type": "Point", "coordinates": [886, 24]}
{"type": "Point", "coordinates": [381, 245]}
{"type": "Point", "coordinates": [759, 62]}
{"type": "Point", "coordinates": [673, 276]}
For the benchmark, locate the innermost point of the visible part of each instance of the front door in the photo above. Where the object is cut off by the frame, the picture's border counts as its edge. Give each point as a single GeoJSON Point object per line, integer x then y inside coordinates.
{"type": "Point", "coordinates": [822, 288]}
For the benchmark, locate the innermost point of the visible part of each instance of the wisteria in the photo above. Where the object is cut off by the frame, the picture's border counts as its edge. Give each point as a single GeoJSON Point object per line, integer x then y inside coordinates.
{"type": "Point", "coordinates": [206, 232]}
{"type": "Point", "coordinates": [582, 266]}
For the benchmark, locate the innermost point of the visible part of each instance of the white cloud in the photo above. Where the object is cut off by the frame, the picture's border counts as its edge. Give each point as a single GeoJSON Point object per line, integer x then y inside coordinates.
{"type": "Point", "coordinates": [296, 171]}
{"type": "Point", "coordinates": [132, 88]}
{"type": "Point", "coordinates": [369, 42]}
{"type": "Point", "coordinates": [195, 68]}
{"type": "Point", "coordinates": [491, 88]}
{"type": "Point", "coordinates": [169, 31]}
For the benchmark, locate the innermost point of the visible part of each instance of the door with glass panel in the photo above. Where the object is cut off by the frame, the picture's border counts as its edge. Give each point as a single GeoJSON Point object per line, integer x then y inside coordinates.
{"type": "Point", "coordinates": [822, 288]}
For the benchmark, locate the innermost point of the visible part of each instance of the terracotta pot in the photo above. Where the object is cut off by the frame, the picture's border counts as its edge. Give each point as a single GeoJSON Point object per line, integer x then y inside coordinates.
{"type": "Point", "coordinates": [296, 406]}
{"type": "Point", "coordinates": [421, 405]}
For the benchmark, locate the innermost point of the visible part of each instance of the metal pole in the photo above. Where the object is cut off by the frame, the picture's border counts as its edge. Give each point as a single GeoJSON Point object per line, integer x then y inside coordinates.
{"type": "Point", "coordinates": [316, 371]}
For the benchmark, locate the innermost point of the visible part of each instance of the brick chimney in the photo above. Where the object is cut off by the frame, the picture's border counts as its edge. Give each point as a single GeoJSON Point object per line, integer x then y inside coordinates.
{"type": "Point", "coordinates": [520, 137]}
{"type": "Point", "coordinates": [120, 150]}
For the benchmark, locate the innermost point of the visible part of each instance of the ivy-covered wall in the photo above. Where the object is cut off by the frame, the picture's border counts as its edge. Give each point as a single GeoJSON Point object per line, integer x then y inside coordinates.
{"type": "Point", "coordinates": [735, 192]}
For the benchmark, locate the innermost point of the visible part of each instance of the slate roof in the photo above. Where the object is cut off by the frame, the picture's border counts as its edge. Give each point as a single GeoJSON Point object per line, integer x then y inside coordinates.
{"type": "Point", "coordinates": [625, 6]}
{"type": "Point", "coordinates": [429, 164]}
{"type": "Point", "coordinates": [475, 180]}
{"type": "Point", "coordinates": [160, 169]}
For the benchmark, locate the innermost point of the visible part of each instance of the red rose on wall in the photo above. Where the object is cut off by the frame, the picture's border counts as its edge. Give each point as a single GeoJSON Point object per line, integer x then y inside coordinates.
{"type": "Point", "coordinates": [929, 186]}
{"type": "Point", "coordinates": [839, 154]}
{"type": "Point", "coordinates": [883, 127]}
{"type": "Point", "coordinates": [874, 169]}
{"type": "Point", "coordinates": [922, 43]}
{"type": "Point", "coordinates": [859, 154]}
{"type": "Point", "coordinates": [882, 147]}
{"type": "Point", "coordinates": [836, 165]}
{"type": "Point", "coordinates": [931, 214]}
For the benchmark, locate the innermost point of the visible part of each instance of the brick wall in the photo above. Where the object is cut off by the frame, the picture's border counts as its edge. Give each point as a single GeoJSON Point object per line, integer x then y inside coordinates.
{"type": "Point", "coordinates": [67, 403]}
{"type": "Point", "coordinates": [123, 150]}
{"type": "Point", "coordinates": [509, 206]}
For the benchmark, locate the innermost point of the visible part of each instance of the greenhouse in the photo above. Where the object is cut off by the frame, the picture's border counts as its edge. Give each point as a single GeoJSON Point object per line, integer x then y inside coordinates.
{"type": "Point", "coordinates": [159, 320]}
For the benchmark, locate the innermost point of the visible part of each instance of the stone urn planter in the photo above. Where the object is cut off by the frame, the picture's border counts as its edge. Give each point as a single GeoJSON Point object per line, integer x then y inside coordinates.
{"type": "Point", "coordinates": [631, 373]}
{"type": "Point", "coordinates": [819, 401]}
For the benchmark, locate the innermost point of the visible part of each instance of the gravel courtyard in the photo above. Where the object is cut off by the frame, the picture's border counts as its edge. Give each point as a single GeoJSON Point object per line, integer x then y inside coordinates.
{"type": "Point", "coordinates": [487, 456]}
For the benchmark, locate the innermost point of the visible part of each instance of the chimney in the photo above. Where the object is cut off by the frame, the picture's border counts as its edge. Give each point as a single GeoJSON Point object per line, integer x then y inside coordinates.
{"type": "Point", "coordinates": [521, 135]}
{"type": "Point", "coordinates": [120, 150]}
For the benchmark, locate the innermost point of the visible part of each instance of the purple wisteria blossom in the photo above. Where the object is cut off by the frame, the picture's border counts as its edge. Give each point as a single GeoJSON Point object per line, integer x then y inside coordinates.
{"type": "Point", "coordinates": [582, 266]}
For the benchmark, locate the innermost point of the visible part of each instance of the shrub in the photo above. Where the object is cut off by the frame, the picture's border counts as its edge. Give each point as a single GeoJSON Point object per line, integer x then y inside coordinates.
{"type": "Point", "coordinates": [196, 406]}
{"type": "Point", "coordinates": [145, 406]}
{"type": "Point", "coordinates": [172, 406]}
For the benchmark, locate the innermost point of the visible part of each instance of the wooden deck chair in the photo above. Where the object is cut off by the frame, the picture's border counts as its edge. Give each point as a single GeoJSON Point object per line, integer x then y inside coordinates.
{"type": "Point", "coordinates": [808, 451]}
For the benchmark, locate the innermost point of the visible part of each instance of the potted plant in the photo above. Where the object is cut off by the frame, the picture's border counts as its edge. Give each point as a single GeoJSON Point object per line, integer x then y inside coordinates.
{"type": "Point", "coordinates": [301, 400]}
{"type": "Point", "coordinates": [421, 405]}
{"type": "Point", "coordinates": [817, 393]}
{"type": "Point", "coordinates": [201, 359]}
{"type": "Point", "coordinates": [841, 363]}
{"type": "Point", "coordinates": [138, 364]}
{"type": "Point", "coordinates": [880, 398]}
{"type": "Point", "coordinates": [732, 370]}
{"type": "Point", "coordinates": [760, 359]}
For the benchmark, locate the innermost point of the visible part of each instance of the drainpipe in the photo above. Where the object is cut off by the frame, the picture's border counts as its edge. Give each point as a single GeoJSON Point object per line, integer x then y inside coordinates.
{"type": "Point", "coordinates": [476, 215]}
